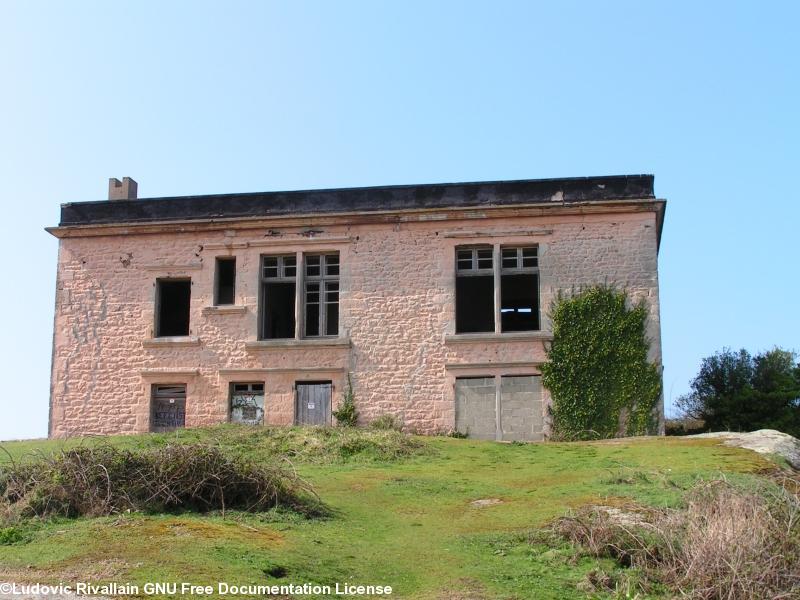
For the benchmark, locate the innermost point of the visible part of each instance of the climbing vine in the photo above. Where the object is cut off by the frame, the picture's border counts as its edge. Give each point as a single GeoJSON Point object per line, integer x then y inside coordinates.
{"type": "Point", "coordinates": [598, 375]}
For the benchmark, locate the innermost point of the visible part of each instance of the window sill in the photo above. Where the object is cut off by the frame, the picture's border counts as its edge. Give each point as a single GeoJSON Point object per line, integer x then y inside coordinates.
{"type": "Point", "coordinates": [323, 342]}
{"type": "Point", "coordinates": [511, 336]}
{"type": "Point", "coordinates": [171, 342]}
{"type": "Point", "coordinates": [225, 309]}
{"type": "Point", "coordinates": [161, 373]}
{"type": "Point", "coordinates": [169, 268]}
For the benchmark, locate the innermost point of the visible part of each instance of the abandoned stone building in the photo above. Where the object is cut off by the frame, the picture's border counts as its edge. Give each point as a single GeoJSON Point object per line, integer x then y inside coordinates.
{"type": "Point", "coordinates": [258, 308]}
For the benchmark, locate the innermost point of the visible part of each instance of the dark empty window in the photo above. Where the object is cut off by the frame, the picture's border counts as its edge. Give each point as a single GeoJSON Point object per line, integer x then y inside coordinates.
{"type": "Point", "coordinates": [474, 290]}
{"type": "Point", "coordinates": [172, 307]}
{"type": "Point", "coordinates": [321, 300]}
{"type": "Point", "coordinates": [225, 288]}
{"type": "Point", "coordinates": [278, 282]}
{"type": "Point", "coordinates": [519, 289]}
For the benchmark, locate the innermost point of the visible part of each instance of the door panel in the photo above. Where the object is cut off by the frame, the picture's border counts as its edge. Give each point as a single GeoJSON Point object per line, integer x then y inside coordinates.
{"type": "Point", "coordinates": [476, 413]}
{"type": "Point", "coordinates": [521, 412]}
{"type": "Point", "coordinates": [313, 405]}
{"type": "Point", "coordinates": [520, 406]}
{"type": "Point", "coordinates": [167, 407]}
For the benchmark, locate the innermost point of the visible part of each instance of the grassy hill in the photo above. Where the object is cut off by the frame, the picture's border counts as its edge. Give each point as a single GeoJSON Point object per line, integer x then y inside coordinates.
{"type": "Point", "coordinates": [435, 518]}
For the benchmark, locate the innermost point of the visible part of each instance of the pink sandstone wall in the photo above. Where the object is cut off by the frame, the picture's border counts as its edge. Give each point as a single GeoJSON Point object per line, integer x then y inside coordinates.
{"type": "Point", "coordinates": [397, 310]}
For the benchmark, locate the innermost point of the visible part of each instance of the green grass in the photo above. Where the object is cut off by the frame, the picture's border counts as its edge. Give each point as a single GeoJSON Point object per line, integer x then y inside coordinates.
{"type": "Point", "coordinates": [402, 514]}
{"type": "Point", "coordinates": [318, 445]}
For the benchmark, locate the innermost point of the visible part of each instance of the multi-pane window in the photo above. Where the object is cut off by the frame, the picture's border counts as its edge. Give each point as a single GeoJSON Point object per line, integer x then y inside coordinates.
{"type": "Point", "coordinates": [517, 280]}
{"type": "Point", "coordinates": [321, 295]}
{"type": "Point", "coordinates": [278, 288]}
{"type": "Point", "coordinates": [519, 289]}
{"type": "Point", "coordinates": [474, 261]}
{"type": "Point", "coordinates": [314, 289]}
{"type": "Point", "coordinates": [474, 289]}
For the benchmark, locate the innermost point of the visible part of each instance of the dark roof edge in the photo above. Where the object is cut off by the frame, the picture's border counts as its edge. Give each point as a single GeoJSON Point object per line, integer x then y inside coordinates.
{"type": "Point", "coordinates": [360, 199]}
{"type": "Point", "coordinates": [399, 186]}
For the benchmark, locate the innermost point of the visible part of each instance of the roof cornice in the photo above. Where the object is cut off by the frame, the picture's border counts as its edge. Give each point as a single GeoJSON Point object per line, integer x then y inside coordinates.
{"type": "Point", "coordinates": [362, 218]}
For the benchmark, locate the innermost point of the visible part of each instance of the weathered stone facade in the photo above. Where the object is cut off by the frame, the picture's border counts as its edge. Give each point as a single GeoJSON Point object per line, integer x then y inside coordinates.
{"type": "Point", "coordinates": [397, 334]}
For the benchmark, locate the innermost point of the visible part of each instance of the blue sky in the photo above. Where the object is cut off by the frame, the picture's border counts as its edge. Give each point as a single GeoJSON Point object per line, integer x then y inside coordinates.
{"type": "Point", "coordinates": [194, 98]}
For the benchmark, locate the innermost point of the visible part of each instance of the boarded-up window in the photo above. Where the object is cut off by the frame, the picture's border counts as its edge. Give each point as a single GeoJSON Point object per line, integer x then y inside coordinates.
{"type": "Point", "coordinates": [167, 407]}
{"type": "Point", "coordinates": [247, 403]}
{"type": "Point", "coordinates": [172, 307]}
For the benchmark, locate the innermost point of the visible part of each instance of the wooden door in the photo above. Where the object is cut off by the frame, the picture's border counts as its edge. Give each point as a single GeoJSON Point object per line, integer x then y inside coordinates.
{"type": "Point", "coordinates": [313, 406]}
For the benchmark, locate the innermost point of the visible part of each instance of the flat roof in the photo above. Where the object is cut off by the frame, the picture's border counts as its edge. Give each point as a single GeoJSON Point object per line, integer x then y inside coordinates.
{"type": "Point", "coordinates": [360, 199]}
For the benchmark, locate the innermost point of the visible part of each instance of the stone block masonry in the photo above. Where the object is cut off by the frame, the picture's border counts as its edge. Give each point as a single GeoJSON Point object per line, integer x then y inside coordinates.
{"type": "Point", "coordinates": [396, 332]}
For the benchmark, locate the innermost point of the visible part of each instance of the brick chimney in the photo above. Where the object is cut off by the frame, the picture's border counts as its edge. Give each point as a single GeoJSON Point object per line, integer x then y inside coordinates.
{"type": "Point", "coordinates": [122, 190]}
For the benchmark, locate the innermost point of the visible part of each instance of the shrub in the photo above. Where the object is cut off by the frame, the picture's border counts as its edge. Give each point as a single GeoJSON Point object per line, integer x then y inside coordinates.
{"type": "Point", "coordinates": [103, 480]}
{"type": "Point", "coordinates": [346, 415]}
{"type": "Point", "coordinates": [10, 536]}
{"type": "Point", "coordinates": [387, 422]}
{"type": "Point", "coordinates": [726, 542]}
{"type": "Point", "coordinates": [739, 392]}
{"type": "Point", "coordinates": [600, 380]}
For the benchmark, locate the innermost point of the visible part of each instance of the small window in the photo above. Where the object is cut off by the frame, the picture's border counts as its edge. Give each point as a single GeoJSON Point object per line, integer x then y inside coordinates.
{"type": "Point", "coordinates": [509, 258]}
{"type": "Point", "coordinates": [172, 307]}
{"type": "Point", "coordinates": [225, 281]}
{"type": "Point", "coordinates": [278, 282]}
{"type": "Point", "coordinates": [167, 407]}
{"type": "Point", "coordinates": [485, 258]}
{"type": "Point", "coordinates": [475, 290]}
{"type": "Point", "coordinates": [520, 258]}
{"type": "Point", "coordinates": [247, 403]}
{"type": "Point", "coordinates": [475, 261]}
{"type": "Point", "coordinates": [313, 265]}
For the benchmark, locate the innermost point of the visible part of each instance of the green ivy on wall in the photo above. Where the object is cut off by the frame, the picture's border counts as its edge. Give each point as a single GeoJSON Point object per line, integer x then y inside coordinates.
{"type": "Point", "coordinates": [598, 375]}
